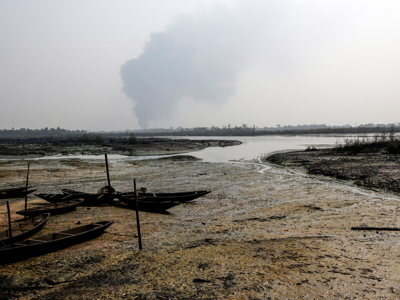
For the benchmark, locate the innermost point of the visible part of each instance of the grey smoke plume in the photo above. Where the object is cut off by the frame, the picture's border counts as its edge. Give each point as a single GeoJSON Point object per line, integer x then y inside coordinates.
{"type": "Point", "coordinates": [198, 57]}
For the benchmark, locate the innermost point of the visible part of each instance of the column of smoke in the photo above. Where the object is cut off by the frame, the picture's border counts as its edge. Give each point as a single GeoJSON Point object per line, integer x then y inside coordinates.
{"type": "Point", "coordinates": [200, 56]}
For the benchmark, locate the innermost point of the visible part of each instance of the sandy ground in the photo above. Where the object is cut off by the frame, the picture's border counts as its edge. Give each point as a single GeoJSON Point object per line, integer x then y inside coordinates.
{"type": "Point", "coordinates": [265, 232]}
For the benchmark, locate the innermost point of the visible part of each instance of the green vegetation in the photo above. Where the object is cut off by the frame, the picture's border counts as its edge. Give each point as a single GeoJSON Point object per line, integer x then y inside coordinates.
{"type": "Point", "coordinates": [90, 137]}
{"type": "Point", "coordinates": [132, 139]}
{"type": "Point", "coordinates": [387, 142]}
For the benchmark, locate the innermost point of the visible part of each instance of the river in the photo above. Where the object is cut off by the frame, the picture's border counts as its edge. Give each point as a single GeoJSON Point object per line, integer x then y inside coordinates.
{"type": "Point", "coordinates": [253, 148]}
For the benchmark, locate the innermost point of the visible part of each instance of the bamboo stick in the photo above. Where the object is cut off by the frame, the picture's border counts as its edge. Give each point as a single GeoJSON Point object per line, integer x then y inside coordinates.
{"type": "Point", "coordinates": [108, 174]}
{"type": "Point", "coordinates": [27, 176]}
{"type": "Point", "coordinates": [137, 216]}
{"type": "Point", "coordinates": [9, 220]}
{"type": "Point", "coordinates": [26, 194]}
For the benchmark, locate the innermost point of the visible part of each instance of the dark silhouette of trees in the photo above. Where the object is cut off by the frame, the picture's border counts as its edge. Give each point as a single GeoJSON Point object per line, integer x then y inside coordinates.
{"type": "Point", "coordinates": [129, 136]}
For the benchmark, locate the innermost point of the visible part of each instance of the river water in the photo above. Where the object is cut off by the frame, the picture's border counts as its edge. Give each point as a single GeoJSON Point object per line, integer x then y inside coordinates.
{"type": "Point", "coordinates": [253, 148]}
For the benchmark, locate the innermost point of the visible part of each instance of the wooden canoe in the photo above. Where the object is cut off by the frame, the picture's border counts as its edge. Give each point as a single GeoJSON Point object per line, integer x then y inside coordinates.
{"type": "Point", "coordinates": [92, 199]}
{"type": "Point", "coordinates": [23, 229]}
{"type": "Point", "coordinates": [70, 192]}
{"type": "Point", "coordinates": [178, 197]}
{"type": "Point", "coordinates": [53, 208]}
{"type": "Point", "coordinates": [15, 192]}
{"type": "Point", "coordinates": [54, 198]}
{"type": "Point", "coordinates": [89, 199]}
{"type": "Point", "coordinates": [147, 205]}
{"type": "Point", "coordinates": [104, 190]}
{"type": "Point", "coordinates": [51, 242]}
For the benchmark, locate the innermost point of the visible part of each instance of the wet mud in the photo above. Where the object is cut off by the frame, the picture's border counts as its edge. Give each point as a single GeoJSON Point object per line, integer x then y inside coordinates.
{"type": "Point", "coordinates": [377, 170]}
{"type": "Point", "coordinates": [141, 146]}
{"type": "Point", "coordinates": [276, 234]}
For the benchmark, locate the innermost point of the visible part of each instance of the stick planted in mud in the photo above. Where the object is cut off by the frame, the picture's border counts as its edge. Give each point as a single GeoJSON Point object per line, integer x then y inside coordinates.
{"type": "Point", "coordinates": [108, 174]}
{"type": "Point", "coordinates": [26, 194]}
{"type": "Point", "coordinates": [137, 215]}
{"type": "Point", "coordinates": [9, 220]}
{"type": "Point", "coordinates": [27, 176]}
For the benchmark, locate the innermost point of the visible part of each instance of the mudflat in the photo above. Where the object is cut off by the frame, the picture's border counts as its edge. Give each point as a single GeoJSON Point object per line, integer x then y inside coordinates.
{"type": "Point", "coordinates": [266, 231]}
{"type": "Point", "coordinates": [141, 146]}
{"type": "Point", "coordinates": [376, 170]}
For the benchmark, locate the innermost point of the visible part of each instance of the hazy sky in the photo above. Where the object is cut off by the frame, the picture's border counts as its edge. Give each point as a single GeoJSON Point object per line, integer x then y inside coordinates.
{"type": "Point", "coordinates": [126, 64]}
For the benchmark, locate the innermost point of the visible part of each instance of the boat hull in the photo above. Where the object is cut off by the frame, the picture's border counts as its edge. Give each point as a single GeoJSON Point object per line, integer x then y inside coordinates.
{"type": "Point", "coordinates": [89, 199]}
{"type": "Point", "coordinates": [54, 208]}
{"type": "Point", "coordinates": [149, 206]}
{"type": "Point", "coordinates": [51, 242]}
{"type": "Point", "coordinates": [15, 192]}
{"type": "Point", "coordinates": [178, 197]}
{"type": "Point", "coordinates": [23, 230]}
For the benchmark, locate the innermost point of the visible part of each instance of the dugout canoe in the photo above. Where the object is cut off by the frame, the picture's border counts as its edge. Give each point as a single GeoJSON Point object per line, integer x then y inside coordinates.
{"type": "Point", "coordinates": [23, 229]}
{"type": "Point", "coordinates": [176, 197]}
{"type": "Point", "coordinates": [109, 190]}
{"type": "Point", "coordinates": [70, 192]}
{"type": "Point", "coordinates": [54, 198]}
{"type": "Point", "coordinates": [147, 205]}
{"type": "Point", "coordinates": [51, 242]}
{"type": "Point", "coordinates": [15, 192]}
{"type": "Point", "coordinates": [53, 208]}
{"type": "Point", "coordinates": [89, 199]}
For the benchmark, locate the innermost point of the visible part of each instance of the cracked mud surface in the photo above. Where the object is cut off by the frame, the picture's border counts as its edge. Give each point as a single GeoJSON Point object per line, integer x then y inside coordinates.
{"type": "Point", "coordinates": [280, 234]}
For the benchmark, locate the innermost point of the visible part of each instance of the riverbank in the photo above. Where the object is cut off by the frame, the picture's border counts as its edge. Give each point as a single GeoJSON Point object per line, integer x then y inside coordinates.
{"type": "Point", "coordinates": [377, 170]}
{"type": "Point", "coordinates": [140, 146]}
{"type": "Point", "coordinates": [279, 234]}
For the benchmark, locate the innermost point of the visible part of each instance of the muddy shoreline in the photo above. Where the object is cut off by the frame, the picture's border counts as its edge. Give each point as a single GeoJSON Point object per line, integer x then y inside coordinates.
{"type": "Point", "coordinates": [264, 232]}
{"type": "Point", "coordinates": [378, 170]}
{"type": "Point", "coordinates": [140, 146]}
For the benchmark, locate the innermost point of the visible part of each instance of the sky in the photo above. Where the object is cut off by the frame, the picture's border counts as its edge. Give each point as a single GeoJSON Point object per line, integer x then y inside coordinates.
{"type": "Point", "coordinates": [129, 64]}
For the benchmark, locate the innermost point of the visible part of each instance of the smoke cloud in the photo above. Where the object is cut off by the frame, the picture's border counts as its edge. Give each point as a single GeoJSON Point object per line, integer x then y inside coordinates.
{"type": "Point", "coordinates": [201, 56]}
{"type": "Point", "coordinates": [197, 57]}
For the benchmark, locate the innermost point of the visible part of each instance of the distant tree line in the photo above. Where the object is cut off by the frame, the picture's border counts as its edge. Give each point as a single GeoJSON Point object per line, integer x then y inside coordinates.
{"type": "Point", "coordinates": [245, 130]}
{"type": "Point", "coordinates": [64, 135]}
{"type": "Point", "coordinates": [129, 136]}
{"type": "Point", "coordinates": [24, 133]}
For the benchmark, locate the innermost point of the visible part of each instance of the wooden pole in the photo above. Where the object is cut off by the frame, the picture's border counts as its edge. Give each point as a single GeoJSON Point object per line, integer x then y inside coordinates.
{"type": "Point", "coordinates": [27, 176]}
{"type": "Point", "coordinates": [108, 174]}
{"type": "Point", "coordinates": [137, 216]}
{"type": "Point", "coordinates": [26, 205]}
{"type": "Point", "coordinates": [9, 220]}
{"type": "Point", "coordinates": [26, 195]}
